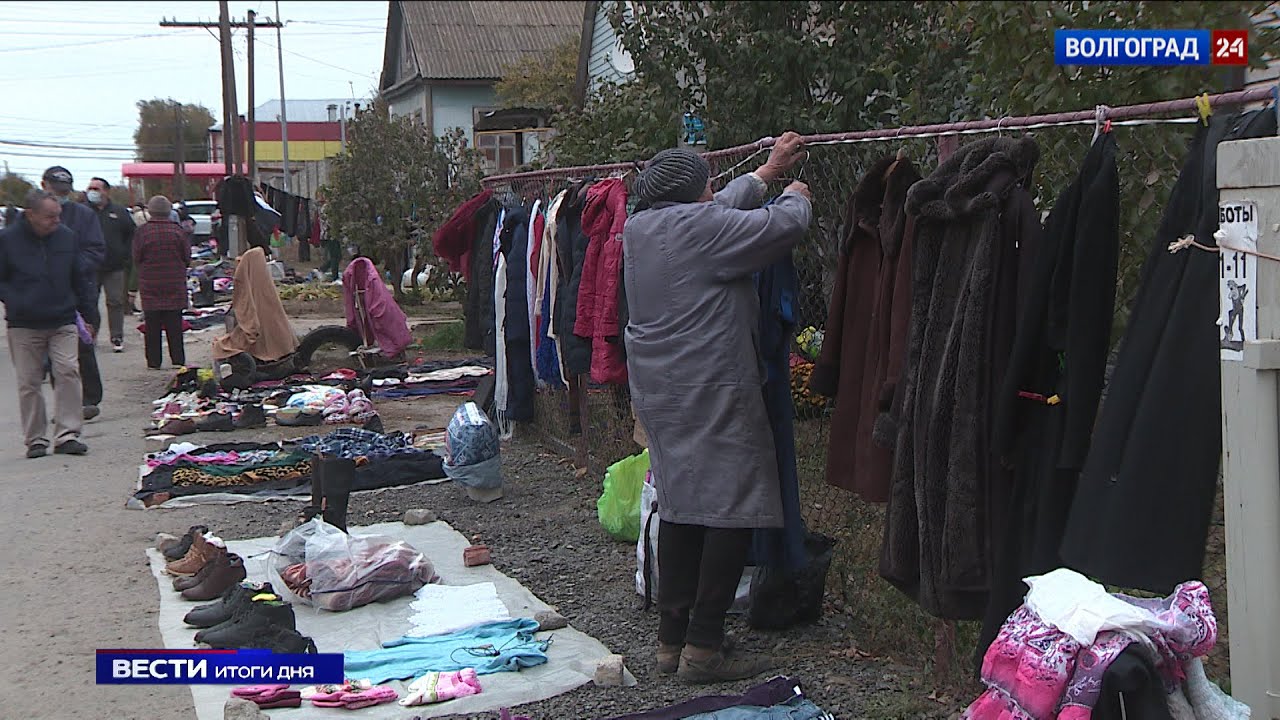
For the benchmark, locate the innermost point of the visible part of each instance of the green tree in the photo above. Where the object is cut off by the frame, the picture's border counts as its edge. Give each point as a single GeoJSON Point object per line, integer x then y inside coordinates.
{"type": "Point", "coordinates": [545, 81]}
{"type": "Point", "coordinates": [161, 124]}
{"type": "Point", "coordinates": [616, 123]}
{"type": "Point", "coordinates": [14, 189]}
{"type": "Point", "coordinates": [394, 186]}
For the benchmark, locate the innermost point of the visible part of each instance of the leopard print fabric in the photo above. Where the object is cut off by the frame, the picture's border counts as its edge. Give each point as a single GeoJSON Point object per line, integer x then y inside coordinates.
{"type": "Point", "coordinates": [186, 477]}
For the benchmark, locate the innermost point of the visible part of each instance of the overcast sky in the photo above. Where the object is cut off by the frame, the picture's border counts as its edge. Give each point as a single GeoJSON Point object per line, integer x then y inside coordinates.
{"type": "Point", "coordinates": [74, 71]}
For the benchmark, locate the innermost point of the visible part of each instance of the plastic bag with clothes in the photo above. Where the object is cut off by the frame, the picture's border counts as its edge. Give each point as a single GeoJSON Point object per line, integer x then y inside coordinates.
{"type": "Point", "coordinates": [472, 452]}
{"type": "Point", "coordinates": [323, 566]}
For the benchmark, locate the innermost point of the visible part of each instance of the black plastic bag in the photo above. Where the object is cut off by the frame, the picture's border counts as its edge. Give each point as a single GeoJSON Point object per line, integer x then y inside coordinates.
{"type": "Point", "coordinates": [781, 599]}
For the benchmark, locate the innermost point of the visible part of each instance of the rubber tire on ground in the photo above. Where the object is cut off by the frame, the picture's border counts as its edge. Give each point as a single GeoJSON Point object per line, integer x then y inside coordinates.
{"type": "Point", "coordinates": [329, 334]}
{"type": "Point", "coordinates": [244, 369]}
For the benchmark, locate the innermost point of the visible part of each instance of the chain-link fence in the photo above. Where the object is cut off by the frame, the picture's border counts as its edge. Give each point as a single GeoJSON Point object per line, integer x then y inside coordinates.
{"type": "Point", "coordinates": [601, 428]}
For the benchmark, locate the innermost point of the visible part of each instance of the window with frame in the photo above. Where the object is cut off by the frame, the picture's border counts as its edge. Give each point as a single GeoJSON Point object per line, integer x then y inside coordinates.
{"type": "Point", "coordinates": [501, 150]}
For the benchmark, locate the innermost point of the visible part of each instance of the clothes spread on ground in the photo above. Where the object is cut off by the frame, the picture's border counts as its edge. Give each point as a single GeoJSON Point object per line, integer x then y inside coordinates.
{"type": "Point", "coordinates": [507, 646]}
{"type": "Point", "coordinates": [1035, 670]}
{"type": "Point", "coordinates": [436, 687]}
{"type": "Point", "coordinates": [1141, 514]}
{"type": "Point", "coordinates": [974, 216]}
{"type": "Point", "coordinates": [864, 344]}
{"type": "Point", "coordinates": [443, 609]}
{"type": "Point", "coordinates": [775, 692]}
{"type": "Point", "coordinates": [352, 443]}
{"type": "Point", "coordinates": [1059, 352]}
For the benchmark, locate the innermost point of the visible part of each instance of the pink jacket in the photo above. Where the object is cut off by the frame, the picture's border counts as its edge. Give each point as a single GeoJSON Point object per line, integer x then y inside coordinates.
{"type": "Point", "coordinates": [388, 326]}
{"type": "Point", "coordinates": [603, 216]}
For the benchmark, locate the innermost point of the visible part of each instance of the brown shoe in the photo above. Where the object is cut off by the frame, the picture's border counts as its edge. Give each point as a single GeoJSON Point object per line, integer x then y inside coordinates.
{"type": "Point", "coordinates": [668, 658]}
{"type": "Point", "coordinates": [201, 552]}
{"type": "Point", "coordinates": [218, 560]}
{"type": "Point", "coordinates": [701, 666]}
{"type": "Point", "coordinates": [226, 573]}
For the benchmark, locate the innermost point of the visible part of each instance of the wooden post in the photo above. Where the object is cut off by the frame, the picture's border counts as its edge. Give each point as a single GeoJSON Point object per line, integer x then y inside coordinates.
{"type": "Point", "coordinates": [252, 149]}
{"type": "Point", "coordinates": [1249, 175]}
{"type": "Point", "coordinates": [583, 460]}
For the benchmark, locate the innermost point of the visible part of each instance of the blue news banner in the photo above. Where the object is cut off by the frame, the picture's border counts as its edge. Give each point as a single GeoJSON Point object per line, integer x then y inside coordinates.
{"type": "Point", "coordinates": [1132, 47]}
{"type": "Point", "coordinates": [215, 667]}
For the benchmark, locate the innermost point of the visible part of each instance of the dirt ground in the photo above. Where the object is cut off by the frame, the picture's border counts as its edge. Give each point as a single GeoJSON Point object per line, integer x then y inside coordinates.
{"type": "Point", "coordinates": [76, 576]}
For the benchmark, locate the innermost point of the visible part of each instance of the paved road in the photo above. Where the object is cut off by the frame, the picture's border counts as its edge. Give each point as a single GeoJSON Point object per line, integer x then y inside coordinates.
{"type": "Point", "coordinates": [73, 572]}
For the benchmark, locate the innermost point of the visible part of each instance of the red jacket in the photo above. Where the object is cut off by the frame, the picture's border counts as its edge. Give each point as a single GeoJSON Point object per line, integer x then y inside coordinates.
{"type": "Point", "coordinates": [603, 216]}
{"type": "Point", "coordinates": [452, 242]}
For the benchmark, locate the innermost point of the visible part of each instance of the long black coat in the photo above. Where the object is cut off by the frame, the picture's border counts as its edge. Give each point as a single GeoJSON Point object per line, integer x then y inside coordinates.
{"type": "Point", "coordinates": [973, 215]}
{"type": "Point", "coordinates": [571, 248]}
{"type": "Point", "coordinates": [1141, 513]}
{"type": "Point", "coordinates": [479, 331]}
{"type": "Point", "coordinates": [1066, 302]}
{"type": "Point", "coordinates": [515, 247]}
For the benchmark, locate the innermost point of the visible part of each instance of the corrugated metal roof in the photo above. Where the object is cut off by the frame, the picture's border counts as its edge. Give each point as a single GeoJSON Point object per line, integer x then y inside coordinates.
{"type": "Point", "coordinates": [304, 110]}
{"type": "Point", "coordinates": [479, 40]}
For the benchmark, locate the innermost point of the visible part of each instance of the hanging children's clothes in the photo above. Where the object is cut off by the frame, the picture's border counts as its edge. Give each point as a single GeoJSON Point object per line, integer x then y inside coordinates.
{"type": "Point", "coordinates": [572, 250]}
{"type": "Point", "coordinates": [1067, 301]}
{"type": "Point", "coordinates": [974, 215]}
{"type": "Point", "coordinates": [864, 345]}
{"type": "Point", "coordinates": [603, 217]}
{"type": "Point", "coordinates": [520, 382]}
{"type": "Point", "coordinates": [1141, 513]}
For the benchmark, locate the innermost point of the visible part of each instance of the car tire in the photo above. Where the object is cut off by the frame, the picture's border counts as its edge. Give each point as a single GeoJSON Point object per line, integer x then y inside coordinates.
{"type": "Point", "coordinates": [326, 335]}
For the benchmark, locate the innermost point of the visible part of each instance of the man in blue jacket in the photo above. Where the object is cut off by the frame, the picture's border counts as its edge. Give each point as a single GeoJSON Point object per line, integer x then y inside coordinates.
{"type": "Point", "coordinates": [42, 286]}
{"type": "Point", "coordinates": [92, 252]}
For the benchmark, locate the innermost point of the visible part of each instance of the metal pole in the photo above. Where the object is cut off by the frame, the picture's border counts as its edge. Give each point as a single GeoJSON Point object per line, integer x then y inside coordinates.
{"type": "Point", "coordinates": [284, 117]}
{"type": "Point", "coordinates": [179, 153]}
{"type": "Point", "coordinates": [342, 123]}
{"type": "Point", "coordinates": [1249, 178]}
{"type": "Point", "coordinates": [253, 152]}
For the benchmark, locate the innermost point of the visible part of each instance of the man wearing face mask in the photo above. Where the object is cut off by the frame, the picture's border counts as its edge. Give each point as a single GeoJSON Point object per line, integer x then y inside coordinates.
{"type": "Point", "coordinates": [117, 232]}
{"type": "Point", "coordinates": [91, 252]}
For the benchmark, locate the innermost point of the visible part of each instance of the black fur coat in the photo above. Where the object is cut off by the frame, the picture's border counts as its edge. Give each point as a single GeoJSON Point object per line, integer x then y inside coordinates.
{"type": "Point", "coordinates": [974, 219]}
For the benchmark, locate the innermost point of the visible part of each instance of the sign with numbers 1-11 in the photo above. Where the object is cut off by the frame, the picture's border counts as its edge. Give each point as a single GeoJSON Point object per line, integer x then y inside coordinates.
{"type": "Point", "coordinates": [1237, 277]}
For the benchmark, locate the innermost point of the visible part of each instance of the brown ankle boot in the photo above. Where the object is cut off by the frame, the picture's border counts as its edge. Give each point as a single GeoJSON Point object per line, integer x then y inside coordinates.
{"type": "Point", "coordinates": [201, 552]}
{"type": "Point", "coordinates": [703, 665]}
{"type": "Point", "coordinates": [219, 559]}
{"type": "Point", "coordinates": [228, 570]}
{"type": "Point", "coordinates": [668, 658]}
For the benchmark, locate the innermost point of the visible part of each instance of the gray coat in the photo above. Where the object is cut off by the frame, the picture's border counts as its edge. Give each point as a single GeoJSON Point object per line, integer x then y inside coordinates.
{"type": "Point", "coordinates": [693, 350]}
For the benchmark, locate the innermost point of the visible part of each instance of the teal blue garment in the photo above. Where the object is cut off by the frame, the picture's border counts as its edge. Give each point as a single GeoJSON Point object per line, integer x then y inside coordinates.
{"type": "Point", "coordinates": [493, 647]}
{"type": "Point", "coordinates": [797, 708]}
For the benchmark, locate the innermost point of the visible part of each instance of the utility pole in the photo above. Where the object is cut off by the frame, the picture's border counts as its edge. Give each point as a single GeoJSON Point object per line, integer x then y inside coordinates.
{"type": "Point", "coordinates": [179, 154]}
{"type": "Point", "coordinates": [253, 153]}
{"type": "Point", "coordinates": [284, 116]}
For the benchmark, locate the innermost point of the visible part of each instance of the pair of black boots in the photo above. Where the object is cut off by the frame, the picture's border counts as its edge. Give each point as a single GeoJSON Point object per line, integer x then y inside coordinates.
{"type": "Point", "coordinates": [331, 482]}
{"type": "Point", "coordinates": [249, 616]}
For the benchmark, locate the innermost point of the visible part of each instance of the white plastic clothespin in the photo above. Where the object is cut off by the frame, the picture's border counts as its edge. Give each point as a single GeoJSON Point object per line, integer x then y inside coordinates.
{"type": "Point", "coordinates": [1100, 121]}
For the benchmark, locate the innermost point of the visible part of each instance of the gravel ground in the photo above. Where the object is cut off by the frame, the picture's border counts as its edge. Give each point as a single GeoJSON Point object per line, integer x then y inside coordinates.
{"type": "Point", "coordinates": [545, 534]}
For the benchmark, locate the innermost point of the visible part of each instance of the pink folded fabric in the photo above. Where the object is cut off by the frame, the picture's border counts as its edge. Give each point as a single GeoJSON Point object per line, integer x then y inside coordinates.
{"type": "Point", "coordinates": [251, 691]}
{"type": "Point", "coordinates": [435, 687]}
{"type": "Point", "coordinates": [368, 698]}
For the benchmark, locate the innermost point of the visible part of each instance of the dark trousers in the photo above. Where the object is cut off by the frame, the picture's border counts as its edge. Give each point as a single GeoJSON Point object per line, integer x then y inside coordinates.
{"type": "Point", "coordinates": [170, 322]}
{"type": "Point", "coordinates": [90, 378]}
{"type": "Point", "coordinates": [698, 573]}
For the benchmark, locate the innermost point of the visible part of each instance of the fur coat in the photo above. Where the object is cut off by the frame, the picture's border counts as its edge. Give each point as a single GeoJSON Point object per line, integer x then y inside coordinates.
{"type": "Point", "coordinates": [973, 217]}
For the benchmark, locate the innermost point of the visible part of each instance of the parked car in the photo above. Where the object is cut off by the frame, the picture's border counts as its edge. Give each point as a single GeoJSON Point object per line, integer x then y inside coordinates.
{"type": "Point", "coordinates": [202, 212]}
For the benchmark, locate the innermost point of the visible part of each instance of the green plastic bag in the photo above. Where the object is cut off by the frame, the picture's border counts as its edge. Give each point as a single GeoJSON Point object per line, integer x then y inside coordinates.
{"type": "Point", "coordinates": [619, 504]}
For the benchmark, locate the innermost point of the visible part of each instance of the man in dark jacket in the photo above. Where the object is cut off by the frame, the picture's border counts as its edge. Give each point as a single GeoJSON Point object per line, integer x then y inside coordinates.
{"type": "Point", "coordinates": [117, 232]}
{"type": "Point", "coordinates": [42, 286]}
{"type": "Point", "coordinates": [92, 252]}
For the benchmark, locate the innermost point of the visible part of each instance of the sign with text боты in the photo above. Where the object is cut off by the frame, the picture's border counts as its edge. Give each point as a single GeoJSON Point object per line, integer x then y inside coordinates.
{"type": "Point", "coordinates": [1237, 277]}
{"type": "Point", "coordinates": [1151, 47]}
{"type": "Point", "coordinates": [215, 667]}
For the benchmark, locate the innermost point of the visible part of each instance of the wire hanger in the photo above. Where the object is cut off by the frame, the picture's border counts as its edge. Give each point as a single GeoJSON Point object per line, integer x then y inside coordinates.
{"type": "Point", "coordinates": [1101, 123]}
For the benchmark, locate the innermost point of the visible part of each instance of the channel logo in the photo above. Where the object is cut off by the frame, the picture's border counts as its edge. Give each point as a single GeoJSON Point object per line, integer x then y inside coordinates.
{"type": "Point", "coordinates": [1151, 47]}
{"type": "Point", "coordinates": [215, 667]}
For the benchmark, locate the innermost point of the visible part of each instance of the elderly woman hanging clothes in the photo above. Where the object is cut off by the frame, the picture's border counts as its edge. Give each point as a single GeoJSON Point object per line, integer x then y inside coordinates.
{"type": "Point", "coordinates": [696, 384]}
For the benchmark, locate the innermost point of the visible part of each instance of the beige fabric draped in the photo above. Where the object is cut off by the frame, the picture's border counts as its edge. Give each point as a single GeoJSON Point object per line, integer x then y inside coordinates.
{"type": "Point", "coordinates": [262, 327]}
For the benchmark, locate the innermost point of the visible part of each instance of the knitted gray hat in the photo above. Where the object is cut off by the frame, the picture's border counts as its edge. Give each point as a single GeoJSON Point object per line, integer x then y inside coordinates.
{"type": "Point", "coordinates": [675, 175]}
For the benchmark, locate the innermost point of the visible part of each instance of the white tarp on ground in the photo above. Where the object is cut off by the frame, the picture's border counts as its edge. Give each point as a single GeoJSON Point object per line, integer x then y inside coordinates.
{"type": "Point", "coordinates": [572, 656]}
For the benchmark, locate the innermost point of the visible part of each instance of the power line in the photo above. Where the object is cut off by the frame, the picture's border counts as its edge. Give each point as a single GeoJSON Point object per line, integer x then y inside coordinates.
{"type": "Point", "coordinates": [322, 62]}
{"type": "Point", "coordinates": [80, 44]}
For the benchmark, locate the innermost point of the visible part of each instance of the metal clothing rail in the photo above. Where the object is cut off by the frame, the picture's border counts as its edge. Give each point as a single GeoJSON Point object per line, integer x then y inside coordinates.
{"type": "Point", "coordinates": [1122, 112]}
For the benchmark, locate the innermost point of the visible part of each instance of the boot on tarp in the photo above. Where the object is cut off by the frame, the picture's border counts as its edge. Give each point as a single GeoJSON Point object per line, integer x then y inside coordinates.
{"type": "Point", "coordinates": [259, 620]}
{"type": "Point", "coordinates": [339, 477]}
{"type": "Point", "coordinates": [176, 550]}
{"type": "Point", "coordinates": [217, 560]}
{"type": "Point", "coordinates": [221, 610]}
{"type": "Point", "coordinates": [226, 573]}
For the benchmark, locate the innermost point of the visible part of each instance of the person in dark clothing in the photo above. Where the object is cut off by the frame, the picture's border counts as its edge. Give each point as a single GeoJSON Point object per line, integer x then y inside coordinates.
{"type": "Point", "coordinates": [83, 222]}
{"type": "Point", "coordinates": [161, 252]}
{"type": "Point", "coordinates": [43, 286]}
{"type": "Point", "coordinates": [117, 233]}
